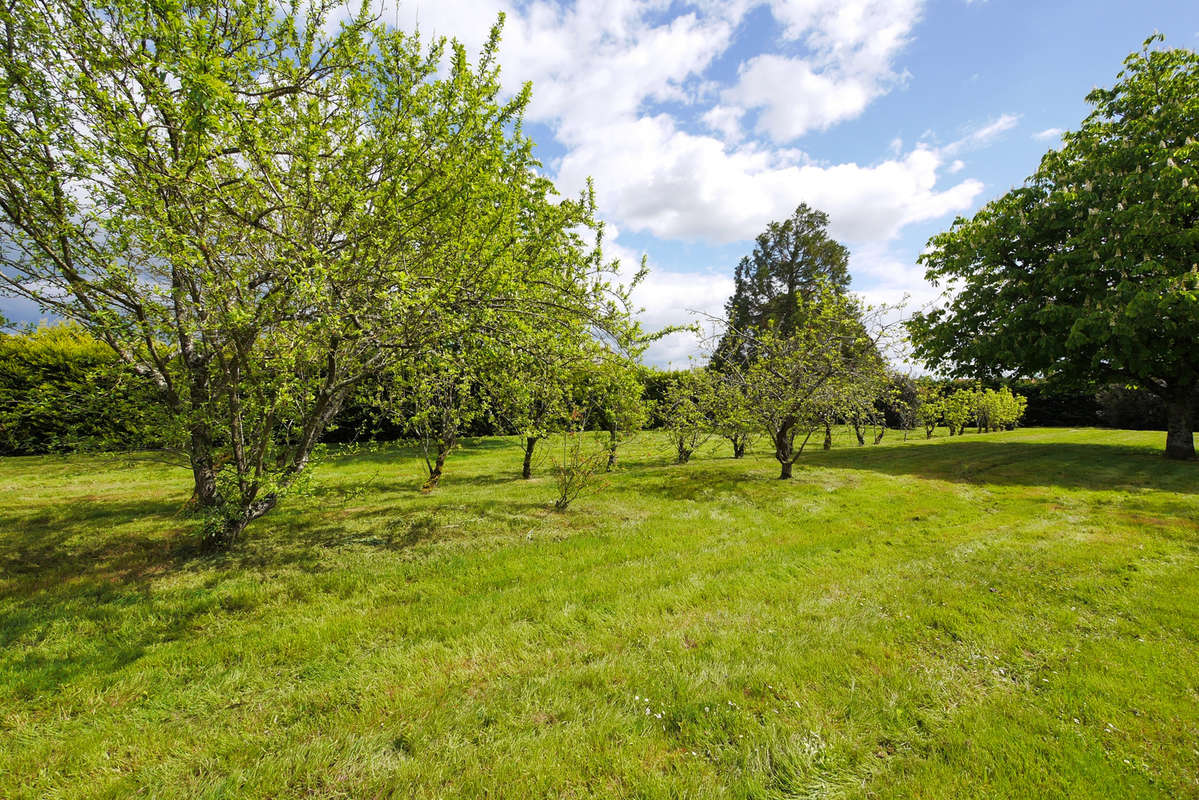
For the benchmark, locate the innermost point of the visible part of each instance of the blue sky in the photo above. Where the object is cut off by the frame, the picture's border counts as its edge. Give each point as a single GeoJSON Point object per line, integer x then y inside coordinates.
{"type": "Point", "coordinates": [702, 121]}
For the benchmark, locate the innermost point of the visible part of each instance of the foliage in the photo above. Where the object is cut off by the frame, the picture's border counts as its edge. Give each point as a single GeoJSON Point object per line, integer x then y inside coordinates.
{"type": "Point", "coordinates": [957, 410]}
{"type": "Point", "coordinates": [902, 401]}
{"type": "Point", "coordinates": [988, 409]}
{"type": "Point", "coordinates": [1085, 275]}
{"type": "Point", "coordinates": [258, 209]}
{"type": "Point", "coordinates": [685, 411]}
{"type": "Point", "coordinates": [731, 415]}
{"type": "Point", "coordinates": [997, 410]}
{"type": "Point", "coordinates": [439, 395]}
{"type": "Point", "coordinates": [791, 261]}
{"type": "Point", "coordinates": [1127, 407]}
{"type": "Point", "coordinates": [532, 402]}
{"type": "Point", "coordinates": [608, 388]}
{"type": "Point", "coordinates": [655, 382]}
{"type": "Point", "coordinates": [864, 404]}
{"type": "Point", "coordinates": [529, 386]}
{"type": "Point", "coordinates": [930, 406]}
{"type": "Point", "coordinates": [61, 390]}
{"type": "Point", "coordinates": [808, 378]}
{"type": "Point", "coordinates": [1051, 405]}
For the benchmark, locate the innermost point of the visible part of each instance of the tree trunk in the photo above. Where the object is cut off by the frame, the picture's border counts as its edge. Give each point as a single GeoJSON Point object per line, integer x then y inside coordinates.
{"type": "Point", "coordinates": [435, 473]}
{"type": "Point", "coordinates": [204, 493]}
{"type": "Point", "coordinates": [611, 449]}
{"type": "Point", "coordinates": [223, 534]}
{"type": "Point", "coordinates": [684, 453]}
{"type": "Point", "coordinates": [857, 430]}
{"type": "Point", "coordinates": [527, 470]}
{"type": "Point", "coordinates": [201, 452]}
{"type": "Point", "coordinates": [1180, 428]}
{"type": "Point", "coordinates": [738, 447]}
{"type": "Point", "coordinates": [828, 437]}
{"type": "Point", "coordinates": [784, 445]}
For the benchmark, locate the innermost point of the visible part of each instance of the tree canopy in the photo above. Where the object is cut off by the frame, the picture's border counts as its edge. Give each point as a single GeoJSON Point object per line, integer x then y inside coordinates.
{"type": "Point", "coordinates": [790, 262]}
{"type": "Point", "coordinates": [257, 209]}
{"type": "Point", "coordinates": [814, 376]}
{"type": "Point", "coordinates": [1087, 273]}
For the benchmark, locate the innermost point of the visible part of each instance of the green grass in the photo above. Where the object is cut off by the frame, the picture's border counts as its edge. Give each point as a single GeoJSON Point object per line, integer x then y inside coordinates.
{"type": "Point", "coordinates": [1006, 615]}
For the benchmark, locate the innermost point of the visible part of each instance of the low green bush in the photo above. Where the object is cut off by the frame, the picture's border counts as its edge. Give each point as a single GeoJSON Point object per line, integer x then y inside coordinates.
{"type": "Point", "coordinates": [61, 390]}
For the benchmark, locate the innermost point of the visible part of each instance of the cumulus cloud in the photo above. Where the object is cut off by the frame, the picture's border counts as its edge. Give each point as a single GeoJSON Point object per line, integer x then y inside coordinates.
{"type": "Point", "coordinates": [851, 47]}
{"type": "Point", "coordinates": [600, 69]}
{"type": "Point", "coordinates": [725, 120]}
{"type": "Point", "coordinates": [656, 178]}
{"type": "Point", "coordinates": [682, 149]}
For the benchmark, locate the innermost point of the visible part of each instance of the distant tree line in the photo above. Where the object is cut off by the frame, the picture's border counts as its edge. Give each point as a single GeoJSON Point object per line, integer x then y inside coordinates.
{"type": "Point", "coordinates": [312, 235]}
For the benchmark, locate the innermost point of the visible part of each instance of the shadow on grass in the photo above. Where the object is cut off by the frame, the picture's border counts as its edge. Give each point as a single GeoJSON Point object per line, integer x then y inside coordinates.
{"type": "Point", "coordinates": [391, 452]}
{"type": "Point", "coordinates": [75, 538]}
{"type": "Point", "coordinates": [306, 538]}
{"type": "Point", "coordinates": [982, 460]}
{"type": "Point", "coordinates": [81, 566]}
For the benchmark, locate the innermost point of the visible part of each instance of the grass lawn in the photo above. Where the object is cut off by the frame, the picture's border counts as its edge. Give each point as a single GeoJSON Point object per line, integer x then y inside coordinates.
{"type": "Point", "coordinates": [1005, 615]}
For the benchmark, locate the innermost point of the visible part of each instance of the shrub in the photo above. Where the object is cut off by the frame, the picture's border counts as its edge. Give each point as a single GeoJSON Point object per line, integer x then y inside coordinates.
{"type": "Point", "coordinates": [577, 467]}
{"type": "Point", "coordinates": [62, 390]}
{"type": "Point", "coordinates": [997, 410]}
{"type": "Point", "coordinates": [957, 409]}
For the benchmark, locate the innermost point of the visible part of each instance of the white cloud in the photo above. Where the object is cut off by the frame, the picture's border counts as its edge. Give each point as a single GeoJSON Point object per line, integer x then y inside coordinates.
{"type": "Point", "coordinates": [851, 48]}
{"type": "Point", "coordinates": [1048, 133]}
{"type": "Point", "coordinates": [653, 177]}
{"type": "Point", "coordinates": [725, 120]}
{"type": "Point", "coordinates": [597, 65]}
{"type": "Point", "coordinates": [794, 98]}
{"type": "Point", "coordinates": [724, 161]}
{"type": "Point", "coordinates": [983, 135]}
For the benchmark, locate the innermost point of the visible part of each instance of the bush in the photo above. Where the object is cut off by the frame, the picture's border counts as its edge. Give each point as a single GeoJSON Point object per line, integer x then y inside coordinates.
{"type": "Point", "coordinates": [997, 410]}
{"type": "Point", "coordinates": [1127, 407]}
{"type": "Point", "coordinates": [62, 390]}
{"type": "Point", "coordinates": [957, 409]}
{"type": "Point", "coordinates": [578, 468]}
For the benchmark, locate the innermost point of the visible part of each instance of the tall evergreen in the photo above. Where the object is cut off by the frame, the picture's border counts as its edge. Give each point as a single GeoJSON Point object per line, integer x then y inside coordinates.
{"type": "Point", "coordinates": [790, 261]}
